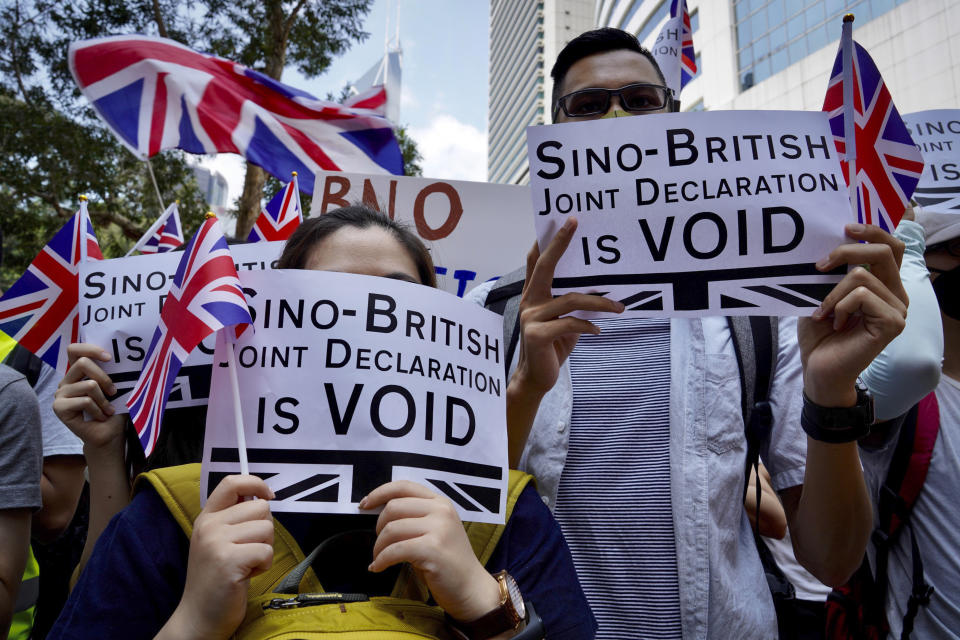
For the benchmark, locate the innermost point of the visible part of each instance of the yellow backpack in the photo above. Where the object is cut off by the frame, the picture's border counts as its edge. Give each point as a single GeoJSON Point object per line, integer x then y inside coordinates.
{"type": "Point", "coordinates": [305, 611]}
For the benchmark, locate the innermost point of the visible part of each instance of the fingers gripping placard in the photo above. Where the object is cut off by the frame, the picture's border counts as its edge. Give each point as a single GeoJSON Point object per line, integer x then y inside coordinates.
{"type": "Point", "coordinates": [693, 214]}
{"type": "Point", "coordinates": [349, 382]}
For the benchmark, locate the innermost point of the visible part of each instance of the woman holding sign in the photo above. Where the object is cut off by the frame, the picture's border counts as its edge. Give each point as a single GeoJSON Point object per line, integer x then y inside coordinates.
{"type": "Point", "coordinates": [146, 575]}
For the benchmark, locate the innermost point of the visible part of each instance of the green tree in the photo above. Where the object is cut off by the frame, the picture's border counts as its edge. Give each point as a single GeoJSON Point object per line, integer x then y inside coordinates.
{"type": "Point", "coordinates": [52, 146]}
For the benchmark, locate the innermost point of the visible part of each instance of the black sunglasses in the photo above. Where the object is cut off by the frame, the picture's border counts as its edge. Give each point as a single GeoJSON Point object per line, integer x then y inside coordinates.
{"type": "Point", "coordinates": [634, 98]}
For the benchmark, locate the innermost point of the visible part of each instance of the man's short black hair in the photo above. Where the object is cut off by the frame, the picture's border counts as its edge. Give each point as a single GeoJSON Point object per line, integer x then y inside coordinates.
{"type": "Point", "coordinates": [590, 43]}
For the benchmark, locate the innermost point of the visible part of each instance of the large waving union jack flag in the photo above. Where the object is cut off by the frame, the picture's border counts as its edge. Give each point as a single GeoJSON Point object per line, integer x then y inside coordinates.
{"type": "Point", "coordinates": [159, 94]}
{"type": "Point", "coordinates": [281, 217]}
{"type": "Point", "coordinates": [205, 296]}
{"type": "Point", "coordinates": [165, 235]}
{"type": "Point", "coordinates": [888, 164]}
{"type": "Point", "coordinates": [41, 309]}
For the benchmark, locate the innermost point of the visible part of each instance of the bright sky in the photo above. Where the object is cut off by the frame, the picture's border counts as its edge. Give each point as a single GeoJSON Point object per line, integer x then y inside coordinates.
{"type": "Point", "coordinates": [444, 84]}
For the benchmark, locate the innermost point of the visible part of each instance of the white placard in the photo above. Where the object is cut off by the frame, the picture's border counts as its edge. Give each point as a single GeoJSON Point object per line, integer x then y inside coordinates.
{"type": "Point", "coordinates": [693, 214]}
{"type": "Point", "coordinates": [352, 381]}
{"type": "Point", "coordinates": [120, 302]}
{"type": "Point", "coordinates": [937, 135]}
{"type": "Point", "coordinates": [475, 230]}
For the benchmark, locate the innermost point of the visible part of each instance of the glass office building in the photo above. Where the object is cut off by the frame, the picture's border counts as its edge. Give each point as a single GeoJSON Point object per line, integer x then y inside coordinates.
{"type": "Point", "coordinates": [777, 54]}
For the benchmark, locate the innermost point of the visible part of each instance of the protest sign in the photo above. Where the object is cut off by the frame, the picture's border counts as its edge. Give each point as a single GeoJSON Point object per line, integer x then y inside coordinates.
{"type": "Point", "coordinates": [937, 135]}
{"type": "Point", "coordinates": [693, 214]}
{"type": "Point", "coordinates": [349, 381]}
{"type": "Point", "coordinates": [475, 230]}
{"type": "Point", "coordinates": [120, 302]}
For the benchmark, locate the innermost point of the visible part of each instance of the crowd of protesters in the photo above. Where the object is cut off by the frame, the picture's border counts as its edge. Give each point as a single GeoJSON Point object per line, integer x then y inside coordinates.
{"type": "Point", "coordinates": [635, 522]}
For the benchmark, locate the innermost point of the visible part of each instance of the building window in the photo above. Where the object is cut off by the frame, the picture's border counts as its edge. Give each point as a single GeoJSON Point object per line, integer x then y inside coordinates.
{"type": "Point", "coordinates": [773, 34]}
{"type": "Point", "coordinates": [695, 21]}
{"type": "Point", "coordinates": [652, 22]}
{"type": "Point", "coordinates": [696, 106]}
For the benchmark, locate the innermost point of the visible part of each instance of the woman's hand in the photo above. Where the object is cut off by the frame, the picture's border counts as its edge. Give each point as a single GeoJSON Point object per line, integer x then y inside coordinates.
{"type": "Point", "coordinates": [85, 388]}
{"type": "Point", "coordinates": [422, 528]}
{"type": "Point", "coordinates": [232, 541]}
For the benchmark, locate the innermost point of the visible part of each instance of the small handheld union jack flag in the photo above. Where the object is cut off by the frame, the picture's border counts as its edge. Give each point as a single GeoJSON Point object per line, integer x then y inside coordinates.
{"type": "Point", "coordinates": [40, 310]}
{"type": "Point", "coordinates": [281, 217]}
{"type": "Point", "coordinates": [673, 49]}
{"type": "Point", "coordinates": [888, 163]}
{"type": "Point", "coordinates": [205, 296]}
{"type": "Point", "coordinates": [166, 234]}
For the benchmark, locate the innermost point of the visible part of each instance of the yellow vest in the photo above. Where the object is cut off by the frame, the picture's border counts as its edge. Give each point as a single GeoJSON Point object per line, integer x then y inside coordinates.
{"type": "Point", "coordinates": [403, 614]}
{"type": "Point", "coordinates": [25, 609]}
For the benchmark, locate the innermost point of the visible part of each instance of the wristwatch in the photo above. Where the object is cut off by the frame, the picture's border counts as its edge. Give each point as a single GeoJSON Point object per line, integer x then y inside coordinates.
{"type": "Point", "coordinates": [509, 614]}
{"type": "Point", "coordinates": [839, 424]}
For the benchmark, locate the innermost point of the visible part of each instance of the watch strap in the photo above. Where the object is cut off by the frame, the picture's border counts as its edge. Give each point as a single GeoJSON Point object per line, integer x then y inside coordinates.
{"type": "Point", "coordinates": [837, 425]}
{"type": "Point", "coordinates": [503, 618]}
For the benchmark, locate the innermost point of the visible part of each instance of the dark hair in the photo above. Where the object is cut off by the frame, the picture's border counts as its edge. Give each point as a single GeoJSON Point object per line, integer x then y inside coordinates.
{"type": "Point", "coordinates": [589, 43]}
{"type": "Point", "coordinates": [313, 231]}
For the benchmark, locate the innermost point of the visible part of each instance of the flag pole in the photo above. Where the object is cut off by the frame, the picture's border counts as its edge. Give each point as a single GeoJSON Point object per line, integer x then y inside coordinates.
{"type": "Point", "coordinates": [237, 414]}
{"type": "Point", "coordinates": [82, 232]}
{"type": "Point", "coordinates": [155, 187]}
{"type": "Point", "coordinates": [296, 193]}
{"type": "Point", "coordinates": [849, 112]}
{"type": "Point", "coordinates": [231, 339]}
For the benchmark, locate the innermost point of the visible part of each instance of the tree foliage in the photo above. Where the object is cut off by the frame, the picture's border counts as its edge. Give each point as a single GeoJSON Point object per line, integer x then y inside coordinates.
{"type": "Point", "coordinates": [52, 146]}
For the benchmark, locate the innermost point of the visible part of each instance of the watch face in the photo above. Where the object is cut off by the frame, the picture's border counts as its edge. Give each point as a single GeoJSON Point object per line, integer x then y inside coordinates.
{"type": "Point", "coordinates": [516, 597]}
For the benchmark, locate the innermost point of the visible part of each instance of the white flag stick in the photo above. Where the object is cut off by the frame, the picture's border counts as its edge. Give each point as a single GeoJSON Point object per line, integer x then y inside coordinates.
{"type": "Point", "coordinates": [849, 112]}
{"type": "Point", "coordinates": [84, 219]}
{"type": "Point", "coordinates": [154, 179]}
{"type": "Point", "coordinates": [296, 194]}
{"type": "Point", "coordinates": [237, 414]}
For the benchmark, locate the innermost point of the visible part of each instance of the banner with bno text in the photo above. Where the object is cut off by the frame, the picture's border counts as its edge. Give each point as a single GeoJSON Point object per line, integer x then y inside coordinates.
{"type": "Point", "coordinates": [693, 214]}
{"type": "Point", "coordinates": [937, 135]}
{"type": "Point", "coordinates": [120, 303]}
{"type": "Point", "coordinates": [348, 382]}
{"type": "Point", "coordinates": [475, 230]}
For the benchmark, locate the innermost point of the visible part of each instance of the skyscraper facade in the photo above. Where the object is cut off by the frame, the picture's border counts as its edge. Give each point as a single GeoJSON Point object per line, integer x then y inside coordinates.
{"type": "Point", "coordinates": [525, 37]}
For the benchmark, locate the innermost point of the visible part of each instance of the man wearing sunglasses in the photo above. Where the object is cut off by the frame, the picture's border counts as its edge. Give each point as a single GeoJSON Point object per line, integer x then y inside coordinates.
{"type": "Point", "coordinates": [633, 427]}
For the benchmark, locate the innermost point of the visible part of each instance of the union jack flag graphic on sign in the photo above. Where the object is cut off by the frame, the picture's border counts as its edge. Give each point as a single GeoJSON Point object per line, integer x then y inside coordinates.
{"type": "Point", "coordinates": [205, 296]}
{"type": "Point", "coordinates": [41, 309]}
{"type": "Point", "coordinates": [166, 234]}
{"type": "Point", "coordinates": [281, 217]}
{"type": "Point", "coordinates": [158, 94]}
{"type": "Point", "coordinates": [673, 49]}
{"type": "Point", "coordinates": [888, 163]}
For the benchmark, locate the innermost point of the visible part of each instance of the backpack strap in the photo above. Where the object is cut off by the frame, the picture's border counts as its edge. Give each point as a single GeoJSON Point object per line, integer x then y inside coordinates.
{"type": "Point", "coordinates": [484, 537]}
{"type": "Point", "coordinates": [179, 488]}
{"type": "Point", "coordinates": [905, 478]}
{"type": "Point", "coordinates": [755, 340]}
{"type": "Point", "coordinates": [504, 298]}
{"type": "Point", "coordinates": [23, 360]}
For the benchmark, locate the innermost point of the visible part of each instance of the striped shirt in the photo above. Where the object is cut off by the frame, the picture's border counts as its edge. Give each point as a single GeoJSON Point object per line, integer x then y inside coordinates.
{"type": "Point", "coordinates": [613, 501]}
